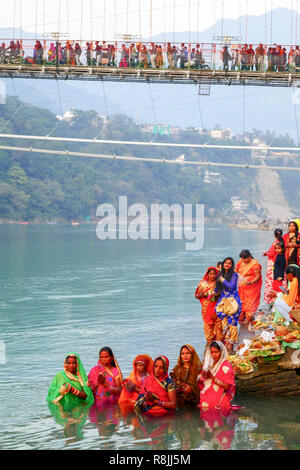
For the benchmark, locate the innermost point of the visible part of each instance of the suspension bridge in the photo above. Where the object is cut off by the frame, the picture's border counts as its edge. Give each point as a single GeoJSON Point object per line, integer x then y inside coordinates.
{"type": "Point", "coordinates": [227, 60]}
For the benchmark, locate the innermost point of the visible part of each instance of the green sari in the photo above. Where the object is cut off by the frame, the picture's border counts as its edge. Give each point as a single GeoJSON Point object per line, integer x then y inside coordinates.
{"type": "Point", "coordinates": [79, 381]}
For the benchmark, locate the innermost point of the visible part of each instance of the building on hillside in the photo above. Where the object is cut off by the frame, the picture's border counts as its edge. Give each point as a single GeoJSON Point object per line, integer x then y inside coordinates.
{"type": "Point", "coordinates": [224, 134]}
{"type": "Point", "coordinates": [239, 204]}
{"type": "Point", "coordinates": [212, 177]}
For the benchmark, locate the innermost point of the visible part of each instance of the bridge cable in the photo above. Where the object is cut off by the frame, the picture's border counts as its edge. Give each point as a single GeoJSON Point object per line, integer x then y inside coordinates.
{"type": "Point", "coordinates": [271, 23]}
{"type": "Point", "coordinates": [145, 159]}
{"type": "Point", "coordinates": [150, 20]}
{"type": "Point", "coordinates": [189, 13]}
{"type": "Point", "coordinates": [61, 111]}
{"type": "Point", "coordinates": [292, 21]}
{"type": "Point", "coordinates": [174, 19]}
{"type": "Point", "coordinates": [140, 21]}
{"type": "Point", "coordinates": [198, 20]}
{"type": "Point", "coordinates": [266, 21]}
{"type": "Point", "coordinates": [81, 20]}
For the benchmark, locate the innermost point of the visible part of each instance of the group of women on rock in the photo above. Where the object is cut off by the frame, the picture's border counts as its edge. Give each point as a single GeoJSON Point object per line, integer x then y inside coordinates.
{"type": "Point", "coordinates": [230, 295]}
{"type": "Point", "coordinates": [150, 389]}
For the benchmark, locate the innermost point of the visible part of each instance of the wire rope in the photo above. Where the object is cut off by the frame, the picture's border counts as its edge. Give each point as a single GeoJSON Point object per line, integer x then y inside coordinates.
{"type": "Point", "coordinates": [145, 159]}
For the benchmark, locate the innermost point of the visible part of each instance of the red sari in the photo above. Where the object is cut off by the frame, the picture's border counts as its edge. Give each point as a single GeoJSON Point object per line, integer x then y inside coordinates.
{"type": "Point", "coordinates": [160, 387]}
{"type": "Point", "coordinates": [205, 294]}
{"type": "Point", "coordinates": [127, 398]}
{"type": "Point", "coordinates": [249, 294]}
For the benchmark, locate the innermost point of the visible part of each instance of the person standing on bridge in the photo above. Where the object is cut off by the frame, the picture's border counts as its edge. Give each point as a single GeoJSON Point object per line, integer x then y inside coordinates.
{"type": "Point", "coordinates": [89, 53]}
{"type": "Point", "coordinates": [260, 58]}
{"type": "Point", "coordinates": [98, 51]}
{"type": "Point", "coordinates": [170, 55]}
{"type": "Point", "coordinates": [159, 57]}
{"type": "Point", "coordinates": [152, 51]}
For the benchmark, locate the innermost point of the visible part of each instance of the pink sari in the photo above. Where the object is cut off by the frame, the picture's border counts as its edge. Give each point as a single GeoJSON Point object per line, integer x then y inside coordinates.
{"type": "Point", "coordinates": [102, 395]}
{"type": "Point", "coordinates": [211, 394]}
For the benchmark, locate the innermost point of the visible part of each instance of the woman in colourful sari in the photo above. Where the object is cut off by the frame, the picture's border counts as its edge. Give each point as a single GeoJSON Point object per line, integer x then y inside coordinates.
{"type": "Point", "coordinates": [271, 254]}
{"type": "Point", "coordinates": [216, 381]}
{"type": "Point", "coordinates": [158, 392]}
{"type": "Point", "coordinates": [250, 282]}
{"type": "Point", "coordinates": [207, 296]}
{"type": "Point", "coordinates": [106, 378]}
{"type": "Point", "coordinates": [142, 368]}
{"type": "Point", "coordinates": [290, 241]}
{"type": "Point", "coordinates": [229, 305]}
{"type": "Point", "coordinates": [185, 375]}
{"type": "Point", "coordinates": [70, 387]}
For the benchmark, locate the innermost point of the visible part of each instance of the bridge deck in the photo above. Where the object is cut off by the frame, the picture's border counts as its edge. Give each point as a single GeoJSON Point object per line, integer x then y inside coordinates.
{"type": "Point", "coordinates": [175, 76]}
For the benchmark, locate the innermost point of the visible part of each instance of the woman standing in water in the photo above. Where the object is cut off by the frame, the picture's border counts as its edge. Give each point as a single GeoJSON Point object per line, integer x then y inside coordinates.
{"type": "Point", "coordinates": [142, 368]}
{"type": "Point", "coordinates": [158, 392]}
{"type": "Point", "coordinates": [216, 381]}
{"type": "Point", "coordinates": [271, 254]}
{"type": "Point", "coordinates": [185, 375]}
{"type": "Point", "coordinates": [70, 387]}
{"type": "Point", "coordinates": [292, 243]}
{"type": "Point", "coordinates": [249, 271]}
{"type": "Point", "coordinates": [106, 378]}
{"type": "Point", "coordinates": [207, 296]}
{"type": "Point", "coordinates": [229, 305]}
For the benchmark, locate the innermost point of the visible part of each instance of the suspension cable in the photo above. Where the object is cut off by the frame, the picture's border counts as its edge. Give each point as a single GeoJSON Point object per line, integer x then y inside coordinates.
{"type": "Point", "coordinates": [146, 159]}
{"type": "Point", "coordinates": [246, 32]}
{"type": "Point", "coordinates": [81, 19]}
{"type": "Point", "coordinates": [198, 25]}
{"type": "Point", "coordinates": [174, 16]}
{"type": "Point", "coordinates": [150, 144]}
{"type": "Point", "coordinates": [266, 21]}
{"type": "Point", "coordinates": [292, 21]}
{"type": "Point", "coordinates": [189, 12]}
{"type": "Point", "coordinates": [150, 20]}
{"type": "Point", "coordinates": [271, 23]}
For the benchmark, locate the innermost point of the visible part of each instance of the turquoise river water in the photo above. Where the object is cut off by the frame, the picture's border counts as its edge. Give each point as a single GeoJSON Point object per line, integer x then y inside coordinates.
{"type": "Point", "coordinates": [64, 290]}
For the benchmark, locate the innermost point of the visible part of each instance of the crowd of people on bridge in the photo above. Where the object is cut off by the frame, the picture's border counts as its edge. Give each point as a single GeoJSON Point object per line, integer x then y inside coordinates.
{"type": "Point", "coordinates": [244, 57]}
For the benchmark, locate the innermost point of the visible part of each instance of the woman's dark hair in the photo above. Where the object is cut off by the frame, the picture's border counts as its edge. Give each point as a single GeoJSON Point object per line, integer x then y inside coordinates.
{"type": "Point", "coordinates": [281, 244]}
{"type": "Point", "coordinates": [278, 234]}
{"type": "Point", "coordinates": [245, 254]}
{"type": "Point", "coordinates": [109, 351]}
{"type": "Point", "coordinates": [214, 345]}
{"type": "Point", "coordinates": [295, 271]}
{"type": "Point", "coordinates": [74, 357]}
{"type": "Point", "coordinates": [227, 276]}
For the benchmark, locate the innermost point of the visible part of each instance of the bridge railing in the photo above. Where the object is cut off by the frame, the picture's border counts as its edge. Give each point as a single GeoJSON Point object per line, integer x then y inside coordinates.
{"type": "Point", "coordinates": [150, 55]}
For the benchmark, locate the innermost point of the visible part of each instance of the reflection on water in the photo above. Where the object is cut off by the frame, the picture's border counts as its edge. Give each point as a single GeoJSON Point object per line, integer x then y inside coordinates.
{"type": "Point", "coordinates": [263, 423]}
{"type": "Point", "coordinates": [62, 290]}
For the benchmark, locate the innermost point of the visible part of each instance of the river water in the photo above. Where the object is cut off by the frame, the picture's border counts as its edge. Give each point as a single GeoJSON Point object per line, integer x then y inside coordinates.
{"type": "Point", "coordinates": [63, 290]}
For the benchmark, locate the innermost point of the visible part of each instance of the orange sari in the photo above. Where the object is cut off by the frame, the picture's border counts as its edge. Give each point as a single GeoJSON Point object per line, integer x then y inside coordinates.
{"type": "Point", "coordinates": [128, 398]}
{"type": "Point", "coordinates": [249, 293]}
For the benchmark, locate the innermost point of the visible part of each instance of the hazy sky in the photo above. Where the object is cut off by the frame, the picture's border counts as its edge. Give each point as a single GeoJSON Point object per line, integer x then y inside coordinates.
{"type": "Point", "coordinates": [46, 16]}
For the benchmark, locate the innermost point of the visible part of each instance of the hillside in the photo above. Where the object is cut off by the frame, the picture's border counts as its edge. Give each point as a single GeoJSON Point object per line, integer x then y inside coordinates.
{"type": "Point", "coordinates": [40, 187]}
